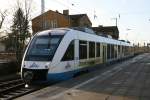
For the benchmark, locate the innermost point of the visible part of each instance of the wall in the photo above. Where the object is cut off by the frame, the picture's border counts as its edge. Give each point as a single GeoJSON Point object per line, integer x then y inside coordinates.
{"type": "Point", "coordinates": [49, 20]}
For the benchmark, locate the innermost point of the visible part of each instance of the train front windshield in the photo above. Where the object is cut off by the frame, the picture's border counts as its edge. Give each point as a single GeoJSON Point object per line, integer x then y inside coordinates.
{"type": "Point", "coordinates": [42, 48]}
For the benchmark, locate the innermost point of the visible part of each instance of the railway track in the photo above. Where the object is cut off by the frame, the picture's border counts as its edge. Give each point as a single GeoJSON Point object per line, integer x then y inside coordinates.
{"type": "Point", "coordinates": [14, 88]}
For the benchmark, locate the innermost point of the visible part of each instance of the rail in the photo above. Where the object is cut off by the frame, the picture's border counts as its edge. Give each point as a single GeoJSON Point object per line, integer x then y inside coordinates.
{"type": "Point", "coordinates": [15, 88]}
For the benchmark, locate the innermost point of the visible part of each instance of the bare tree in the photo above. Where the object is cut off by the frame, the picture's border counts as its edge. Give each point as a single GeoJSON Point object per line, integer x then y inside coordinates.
{"type": "Point", "coordinates": [20, 28]}
{"type": "Point", "coordinates": [2, 17]}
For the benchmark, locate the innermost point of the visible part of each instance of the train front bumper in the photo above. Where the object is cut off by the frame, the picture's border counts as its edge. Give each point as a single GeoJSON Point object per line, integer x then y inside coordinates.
{"type": "Point", "coordinates": [34, 75]}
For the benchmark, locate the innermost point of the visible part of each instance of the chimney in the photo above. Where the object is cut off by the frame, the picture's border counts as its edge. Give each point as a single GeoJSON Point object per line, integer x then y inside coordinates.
{"type": "Point", "coordinates": [66, 12]}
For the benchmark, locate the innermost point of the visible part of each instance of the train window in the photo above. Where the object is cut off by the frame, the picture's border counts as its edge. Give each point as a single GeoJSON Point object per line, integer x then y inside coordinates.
{"type": "Point", "coordinates": [115, 51]}
{"type": "Point", "coordinates": [83, 49]}
{"type": "Point", "coordinates": [119, 49]}
{"type": "Point", "coordinates": [125, 49]}
{"type": "Point", "coordinates": [112, 51]}
{"type": "Point", "coordinates": [97, 49]}
{"type": "Point", "coordinates": [91, 49]}
{"type": "Point", "coordinates": [42, 48]}
{"type": "Point", "coordinates": [128, 50]}
{"type": "Point", "coordinates": [69, 54]}
{"type": "Point", "coordinates": [108, 51]}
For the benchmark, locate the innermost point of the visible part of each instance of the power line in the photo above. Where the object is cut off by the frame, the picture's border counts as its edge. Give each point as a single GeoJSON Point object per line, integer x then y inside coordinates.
{"type": "Point", "coordinates": [69, 6]}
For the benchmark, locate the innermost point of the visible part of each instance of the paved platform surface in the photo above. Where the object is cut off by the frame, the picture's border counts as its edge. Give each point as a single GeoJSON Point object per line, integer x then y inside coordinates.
{"type": "Point", "coordinates": [129, 80]}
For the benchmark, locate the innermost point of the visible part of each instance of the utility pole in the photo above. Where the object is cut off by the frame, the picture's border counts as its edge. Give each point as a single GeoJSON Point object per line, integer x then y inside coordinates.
{"type": "Point", "coordinates": [42, 11]}
{"type": "Point", "coordinates": [116, 21]}
{"type": "Point", "coordinates": [42, 6]}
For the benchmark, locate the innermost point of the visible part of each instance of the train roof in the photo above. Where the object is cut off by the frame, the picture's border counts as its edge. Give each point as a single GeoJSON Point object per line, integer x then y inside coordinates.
{"type": "Point", "coordinates": [88, 36]}
{"type": "Point", "coordinates": [83, 36]}
{"type": "Point", "coordinates": [57, 31]}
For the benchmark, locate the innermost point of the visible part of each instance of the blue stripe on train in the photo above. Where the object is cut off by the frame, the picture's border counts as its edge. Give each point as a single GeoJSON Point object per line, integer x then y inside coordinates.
{"type": "Point", "coordinates": [56, 77]}
{"type": "Point", "coordinates": [67, 75]}
{"type": "Point", "coordinates": [61, 76]}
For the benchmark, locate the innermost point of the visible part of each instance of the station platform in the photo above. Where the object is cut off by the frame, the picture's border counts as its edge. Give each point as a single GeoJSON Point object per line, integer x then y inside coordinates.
{"type": "Point", "coordinates": [127, 80]}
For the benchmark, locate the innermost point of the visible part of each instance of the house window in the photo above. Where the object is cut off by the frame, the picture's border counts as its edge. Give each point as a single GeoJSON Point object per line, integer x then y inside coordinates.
{"type": "Point", "coordinates": [53, 23]}
{"type": "Point", "coordinates": [45, 25]}
{"type": "Point", "coordinates": [52, 26]}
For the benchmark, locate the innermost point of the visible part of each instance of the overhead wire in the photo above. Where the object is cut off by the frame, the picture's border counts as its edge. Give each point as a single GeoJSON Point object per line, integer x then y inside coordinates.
{"type": "Point", "coordinates": [73, 6]}
{"type": "Point", "coordinates": [69, 6]}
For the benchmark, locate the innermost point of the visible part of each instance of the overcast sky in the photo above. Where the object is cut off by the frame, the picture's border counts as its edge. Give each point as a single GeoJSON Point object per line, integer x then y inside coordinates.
{"type": "Point", "coordinates": [133, 23]}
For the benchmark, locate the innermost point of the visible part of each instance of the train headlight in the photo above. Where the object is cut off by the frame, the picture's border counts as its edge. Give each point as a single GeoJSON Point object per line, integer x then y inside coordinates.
{"type": "Point", "coordinates": [28, 76]}
{"type": "Point", "coordinates": [46, 66]}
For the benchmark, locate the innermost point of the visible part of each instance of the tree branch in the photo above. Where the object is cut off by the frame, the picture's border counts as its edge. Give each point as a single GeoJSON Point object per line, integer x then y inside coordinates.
{"type": "Point", "coordinates": [3, 16]}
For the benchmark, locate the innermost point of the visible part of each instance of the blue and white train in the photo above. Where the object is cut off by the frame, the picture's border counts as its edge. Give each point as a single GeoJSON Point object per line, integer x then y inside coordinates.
{"type": "Point", "coordinates": [58, 54]}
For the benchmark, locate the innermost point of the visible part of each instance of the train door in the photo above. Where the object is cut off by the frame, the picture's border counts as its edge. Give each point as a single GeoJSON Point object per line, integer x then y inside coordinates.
{"type": "Point", "coordinates": [104, 53]}
{"type": "Point", "coordinates": [69, 56]}
{"type": "Point", "coordinates": [76, 53]}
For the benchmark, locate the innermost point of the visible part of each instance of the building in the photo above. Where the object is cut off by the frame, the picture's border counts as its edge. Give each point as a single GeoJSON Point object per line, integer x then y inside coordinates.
{"type": "Point", "coordinates": [49, 19]}
{"type": "Point", "coordinates": [107, 30]}
{"type": "Point", "coordinates": [80, 20]}
{"type": "Point", "coordinates": [54, 19]}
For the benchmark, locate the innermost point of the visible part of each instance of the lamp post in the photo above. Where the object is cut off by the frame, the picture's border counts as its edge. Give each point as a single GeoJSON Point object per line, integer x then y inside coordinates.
{"type": "Point", "coordinates": [128, 29]}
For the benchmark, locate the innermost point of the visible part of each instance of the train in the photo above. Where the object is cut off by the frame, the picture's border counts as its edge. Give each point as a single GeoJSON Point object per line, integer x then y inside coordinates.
{"type": "Point", "coordinates": [59, 54]}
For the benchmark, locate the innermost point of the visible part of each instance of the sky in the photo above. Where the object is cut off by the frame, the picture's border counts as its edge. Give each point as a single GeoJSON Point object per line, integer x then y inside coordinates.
{"type": "Point", "coordinates": [133, 16]}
